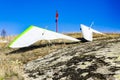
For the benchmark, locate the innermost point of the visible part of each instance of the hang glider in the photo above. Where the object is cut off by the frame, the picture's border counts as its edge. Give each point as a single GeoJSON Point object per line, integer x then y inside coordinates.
{"type": "Point", "coordinates": [87, 32]}
{"type": "Point", "coordinates": [34, 34]}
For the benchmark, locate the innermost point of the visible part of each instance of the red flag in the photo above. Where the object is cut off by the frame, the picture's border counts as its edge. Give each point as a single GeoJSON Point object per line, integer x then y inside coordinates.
{"type": "Point", "coordinates": [56, 15]}
{"type": "Point", "coordinates": [56, 21]}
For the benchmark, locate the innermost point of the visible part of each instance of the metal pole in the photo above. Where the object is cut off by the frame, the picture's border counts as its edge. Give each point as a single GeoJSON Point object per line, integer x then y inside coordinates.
{"type": "Point", "coordinates": [56, 25]}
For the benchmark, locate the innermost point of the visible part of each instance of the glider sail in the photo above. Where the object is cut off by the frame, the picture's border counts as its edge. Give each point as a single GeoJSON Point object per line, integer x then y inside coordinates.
{"type": "Point", "coordinates": [96, 31]}
{"type": "Point", "coordinates": [34, 34]}
{"type": "Point", "coordinates": [87, 32]}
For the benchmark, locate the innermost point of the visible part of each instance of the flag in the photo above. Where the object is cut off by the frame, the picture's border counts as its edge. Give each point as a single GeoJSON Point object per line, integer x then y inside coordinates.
{"type": "Point", "coordinates": [56, 15]}
{"type": "Point", "coordinates": [56, 21]}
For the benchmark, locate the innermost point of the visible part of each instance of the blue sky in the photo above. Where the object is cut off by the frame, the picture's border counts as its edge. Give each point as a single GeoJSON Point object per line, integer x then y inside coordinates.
{"type": "Point", "coordinates": [17, 15]}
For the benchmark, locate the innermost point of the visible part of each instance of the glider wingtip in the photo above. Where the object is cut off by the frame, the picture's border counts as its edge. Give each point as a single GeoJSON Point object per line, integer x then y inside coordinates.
{"type": "Point", "coordinates": [10, 47]}
{"type": "Point", "coordinates": [76, 40]}
{"type": "Point", "coordinates": [81, 24]}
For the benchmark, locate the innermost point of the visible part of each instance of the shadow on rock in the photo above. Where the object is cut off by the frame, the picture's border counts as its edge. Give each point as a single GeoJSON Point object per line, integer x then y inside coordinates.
{"type": "Point", "coordinates": [75, 73]}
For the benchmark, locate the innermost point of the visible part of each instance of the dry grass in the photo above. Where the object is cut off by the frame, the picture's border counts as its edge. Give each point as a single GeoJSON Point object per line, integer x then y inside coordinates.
{"type": "Point", "coordinates": [97, 36]}
{"type": "Point", "coordinates": [12, 60]}
{"type": "Point", "coordinates": [9, 67]}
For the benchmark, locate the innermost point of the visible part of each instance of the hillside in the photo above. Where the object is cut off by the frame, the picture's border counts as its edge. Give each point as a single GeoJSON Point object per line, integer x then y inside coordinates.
{"type": "Point", "coordinates": [97, 60]}
{"type": "Point", "coordinates": [63, 60]}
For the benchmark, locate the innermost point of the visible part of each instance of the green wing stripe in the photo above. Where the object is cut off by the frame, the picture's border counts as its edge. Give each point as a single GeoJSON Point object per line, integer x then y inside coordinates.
{"type": "Point", "coordinates": [20, 35]}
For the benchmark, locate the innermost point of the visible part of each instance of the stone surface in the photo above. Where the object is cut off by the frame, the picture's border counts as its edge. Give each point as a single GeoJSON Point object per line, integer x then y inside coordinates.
{"type": "Point", "coordinates": [87, 61]}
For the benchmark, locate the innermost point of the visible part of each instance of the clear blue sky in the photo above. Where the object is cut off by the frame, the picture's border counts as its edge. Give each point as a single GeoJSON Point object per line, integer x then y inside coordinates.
{"type": "Point", "coordinates": [17, 15]}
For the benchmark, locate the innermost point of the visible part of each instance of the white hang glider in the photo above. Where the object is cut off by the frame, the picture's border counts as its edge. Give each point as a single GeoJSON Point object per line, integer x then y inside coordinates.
{"type": "Point", "coordinates": [34, 34]}
{"type": "Point", "coordinates": [87, 32]}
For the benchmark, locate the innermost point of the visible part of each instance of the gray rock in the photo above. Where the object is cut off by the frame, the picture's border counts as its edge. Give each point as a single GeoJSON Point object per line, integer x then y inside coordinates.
{"type": "Point", "coordinates": [85, 61]}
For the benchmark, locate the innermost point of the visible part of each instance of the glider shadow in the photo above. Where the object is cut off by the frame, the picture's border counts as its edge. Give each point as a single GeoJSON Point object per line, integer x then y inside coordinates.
{"type": "Point", "coordinates": [25, 49]}
{"type": "Point", "coordinates": [82, 40]}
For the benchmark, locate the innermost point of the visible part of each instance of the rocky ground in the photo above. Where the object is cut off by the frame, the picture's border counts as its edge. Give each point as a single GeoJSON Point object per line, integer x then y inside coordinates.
{"type": "Point", "coordinates": [97, 60]}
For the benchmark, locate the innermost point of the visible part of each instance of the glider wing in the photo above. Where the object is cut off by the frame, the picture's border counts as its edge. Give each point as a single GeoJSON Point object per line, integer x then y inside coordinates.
{"type": "Point", "coordinates": [34, 34]}
{"type": "Point", "coordinates": [86, 32]}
